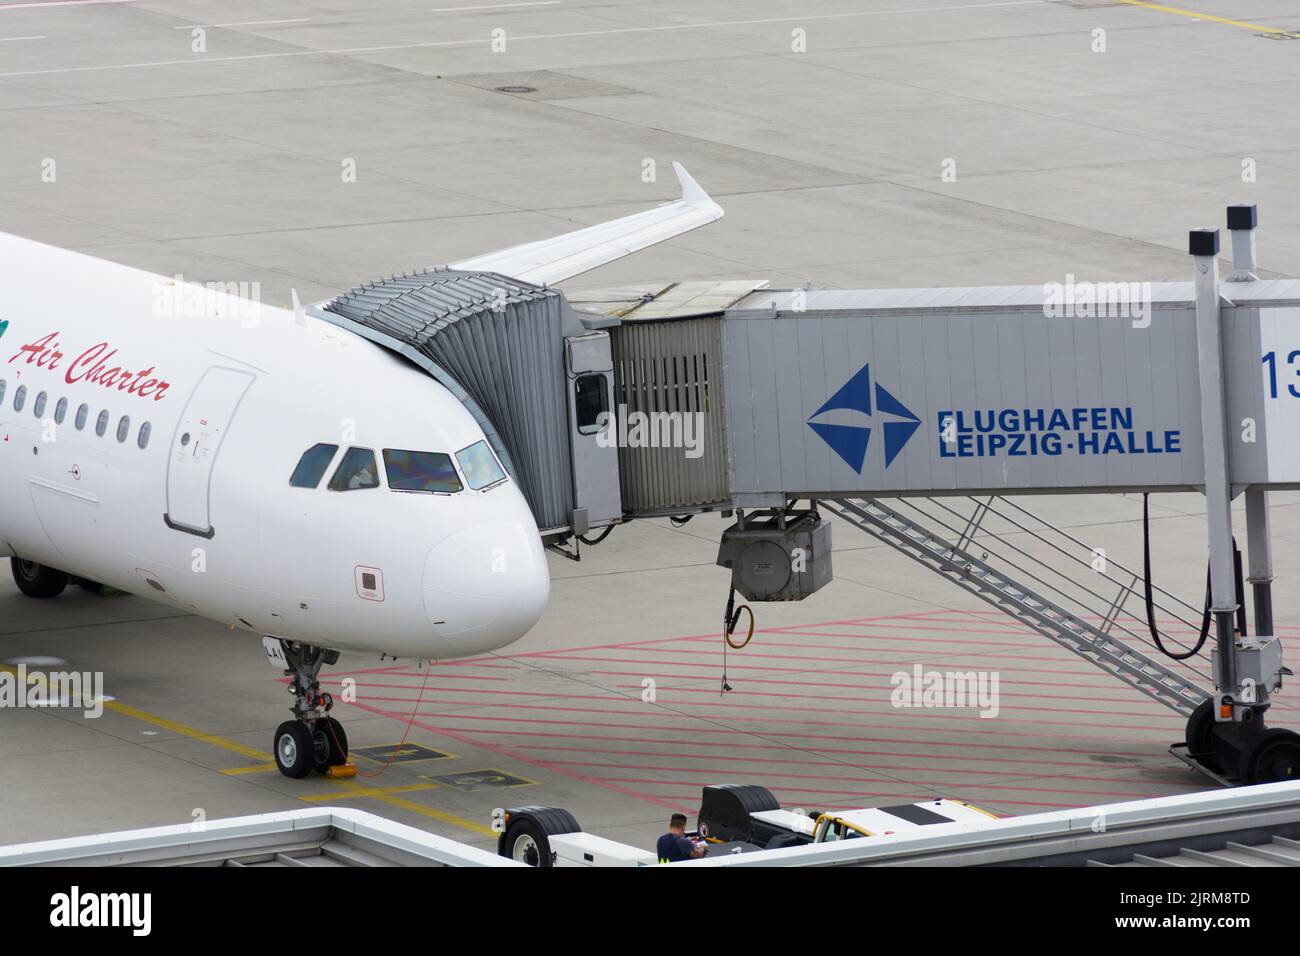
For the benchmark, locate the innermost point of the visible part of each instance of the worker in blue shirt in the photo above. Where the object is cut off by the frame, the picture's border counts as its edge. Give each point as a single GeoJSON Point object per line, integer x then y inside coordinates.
{"type": "Point", "coordinates": [675, 845]}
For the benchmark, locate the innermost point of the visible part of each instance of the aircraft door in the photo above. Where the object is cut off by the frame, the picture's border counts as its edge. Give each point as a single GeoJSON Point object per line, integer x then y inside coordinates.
{"type": "Point", "coordinates": [195, 445]}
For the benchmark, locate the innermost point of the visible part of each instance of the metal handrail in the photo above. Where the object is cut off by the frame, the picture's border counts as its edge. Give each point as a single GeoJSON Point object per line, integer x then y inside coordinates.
{"type": "Point", "coordinates": [1143, 638]}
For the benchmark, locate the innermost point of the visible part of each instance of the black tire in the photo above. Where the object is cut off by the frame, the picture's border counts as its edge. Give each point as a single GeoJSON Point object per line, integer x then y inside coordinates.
{"type": "Point", "coordinates": [1271, 757]}
{"type": "Point", "coordinates": [527, 843]}
{"type": "Point", "coordinates": [526, 836]}
{"type": "Point", "coordinates": [1200, 736]}
{"type": "Point", "coordinates": [94, 587]}
{"type": "Point", "coordinates": [36, 580]}
{"type": "Point", "coordinates": [295, 751]}
{"type": "Point", "coordinates": [330, 744]}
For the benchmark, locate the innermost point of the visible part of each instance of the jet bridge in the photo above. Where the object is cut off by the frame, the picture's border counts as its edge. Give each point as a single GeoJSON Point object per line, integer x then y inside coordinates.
{"type": "Point", "coordinates": [950, 400]}
{"type": "Point", "coordinates": [913, 414]}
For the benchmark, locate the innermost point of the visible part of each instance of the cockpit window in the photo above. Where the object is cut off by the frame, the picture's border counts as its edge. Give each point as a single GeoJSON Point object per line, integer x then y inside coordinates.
{"type": "Point", "coordinates": [480, 465]}
{"type": "Point", "coordinates": [421, 471]}
{"type": "Point", "coordinates": [356, 470]}
{"type": "Point", "coordinates": [312, 465]}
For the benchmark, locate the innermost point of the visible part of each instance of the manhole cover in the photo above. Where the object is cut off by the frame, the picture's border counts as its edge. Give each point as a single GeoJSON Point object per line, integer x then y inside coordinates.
{"type": "Point", "coordinates": [515, 89]}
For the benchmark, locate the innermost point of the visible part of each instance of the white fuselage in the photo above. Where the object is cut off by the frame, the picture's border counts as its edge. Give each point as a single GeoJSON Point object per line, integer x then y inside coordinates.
{"type": "Point", "coordinates": [204, 517]}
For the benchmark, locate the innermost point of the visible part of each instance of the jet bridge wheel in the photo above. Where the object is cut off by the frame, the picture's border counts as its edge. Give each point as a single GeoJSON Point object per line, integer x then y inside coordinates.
{"type": "Point", "coordinates": [1272, 757]}
{"type": "Point", "coordinates": [36, 580]}
{"type": "Point", "coordinates": [1200, 736]}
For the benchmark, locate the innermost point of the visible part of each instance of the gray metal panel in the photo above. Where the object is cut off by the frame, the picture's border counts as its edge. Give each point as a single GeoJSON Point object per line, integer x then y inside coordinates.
{"type": "Point", "coordinates": [1244, 387]}
{"type": "Point", "coordinates": [502, 341]}
{"type": "Point", "coordinates": [1119, 387]}
{"type": "Point", "coordinates": [1273, 293]}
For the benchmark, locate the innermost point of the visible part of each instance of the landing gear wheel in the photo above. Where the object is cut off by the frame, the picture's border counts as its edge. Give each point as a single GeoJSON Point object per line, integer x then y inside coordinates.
{"type": "Point", "coordinates": [36, 580]}
{"type": "Point", "coordinates": [295, 751]}
{"type": "Point", "coordinates": [1200, 736]}
{"type": "Point", "coordinates": [330, 744]}
{"type": "Point", "coordinates": [94, 587]}
{"type": "Point", "coordinates": [1272, 757]}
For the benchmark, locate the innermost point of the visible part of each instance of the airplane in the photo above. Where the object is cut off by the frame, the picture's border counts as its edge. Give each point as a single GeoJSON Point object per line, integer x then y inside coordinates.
{"type": "Point", "coordinates": [262, 468]}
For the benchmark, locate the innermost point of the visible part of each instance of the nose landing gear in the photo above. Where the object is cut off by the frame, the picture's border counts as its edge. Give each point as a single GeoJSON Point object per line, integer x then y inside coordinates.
{"type": "Point", "coordinates": [312, 740]}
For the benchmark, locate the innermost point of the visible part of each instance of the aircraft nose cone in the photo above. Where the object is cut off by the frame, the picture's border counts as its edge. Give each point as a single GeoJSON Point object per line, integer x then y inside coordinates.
{"type": "Point", "coordinates": [485, 586]}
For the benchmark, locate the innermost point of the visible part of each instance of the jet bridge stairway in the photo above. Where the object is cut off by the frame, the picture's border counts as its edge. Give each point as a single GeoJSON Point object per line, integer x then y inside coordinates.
{"type": "Point", "coordinates": [977, 574]}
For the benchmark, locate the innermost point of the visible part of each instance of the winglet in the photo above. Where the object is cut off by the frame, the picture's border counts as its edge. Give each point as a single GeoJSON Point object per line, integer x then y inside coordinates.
{"type": "Point", "coordinates": [299, 313]}
{"type": "Point", "coordinates": [692, 192]}
{"type": "Point", "coordinates": [562, 257]}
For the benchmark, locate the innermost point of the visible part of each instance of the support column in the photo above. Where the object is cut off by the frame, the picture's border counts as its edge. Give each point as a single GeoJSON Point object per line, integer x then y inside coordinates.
{"type": "Point", "coordinates": [1243, 218]}
{"type": "Point", "coordinates": [1260, 557]}
{"type": "Point", "coordinates": [1203, 245]}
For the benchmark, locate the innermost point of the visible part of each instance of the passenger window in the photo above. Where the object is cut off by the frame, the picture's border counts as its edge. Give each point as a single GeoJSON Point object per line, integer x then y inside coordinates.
{"type": "Point", "coordinates": [82, 411]}
{"type": "Point", "coordinates": [60, 411]}
{"type": "Point", "coordinates": [429, 471]}
{"type": "Point", "coordinates": [143, 438]}
{"type": "Point", "coordinates": [20, 397]}
{"type": "Point", "coordinates": [2, 390]}
{"type": "Point", "coordinates": [590, 399]}
{"type": "Point", "coordinates": [312, 465]}
{"type": "Point", "coordinates": [101, 423]}
{"type": "Point", "coordinates": [479, 465]}
{"type": "Point", "coordinates": [356, 470]}
{"type": "Point", "coordinates": [123, 428]}
{"type": "Point", "coordinates": [38, 406]}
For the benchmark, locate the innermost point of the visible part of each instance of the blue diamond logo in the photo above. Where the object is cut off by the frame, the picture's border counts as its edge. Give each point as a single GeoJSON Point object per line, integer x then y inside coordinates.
{"type": "Point", "coordinates": [850, 442]}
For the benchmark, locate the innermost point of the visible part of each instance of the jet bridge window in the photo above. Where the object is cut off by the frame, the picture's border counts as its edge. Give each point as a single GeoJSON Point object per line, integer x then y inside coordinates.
{"type": "Point", "coordinates": [427, 471]}
{"type": "Point", "coordinates": [357, 470]}
{"type": "Point", "coordinates": [479, 466]}
{"type": "Point", "coordinates": [590, 399]}
{"type": "Point", "coordinates": [312, 465]}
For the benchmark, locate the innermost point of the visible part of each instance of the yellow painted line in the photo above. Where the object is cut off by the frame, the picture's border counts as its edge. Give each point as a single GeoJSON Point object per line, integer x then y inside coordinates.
{"type": "Point", "coordinates": [261, 756]}
{"type": "Point", "coordinates": [367, 792]}
{"type": "Point", "coordinates": [383, 795]}
{"type": "Point", "coordinates": [440, 815]}
{"type": "Point", "coordinates": [1208, 17]}
{"type": "Point", "coordinates": [256, 768]}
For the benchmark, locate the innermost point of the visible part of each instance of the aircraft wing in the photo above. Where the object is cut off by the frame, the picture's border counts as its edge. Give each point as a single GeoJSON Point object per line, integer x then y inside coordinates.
{"type": "Point", "coordinates": [561, 257]}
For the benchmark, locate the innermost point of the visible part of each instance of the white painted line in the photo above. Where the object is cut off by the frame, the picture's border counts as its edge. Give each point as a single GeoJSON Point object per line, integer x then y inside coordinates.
{"type": "Point", "coordinates": [14, 39]}
{"type": "Point", "coordinates": [496, 6]}
{"type": "Point", "coordinates": [246, 23]}
{"type": "Point", "coordinates": [483, 41]}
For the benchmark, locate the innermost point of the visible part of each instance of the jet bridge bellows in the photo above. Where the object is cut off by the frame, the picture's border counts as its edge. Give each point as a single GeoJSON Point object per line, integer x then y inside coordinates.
{"type": "Point", "coordinates": [500, 346]}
